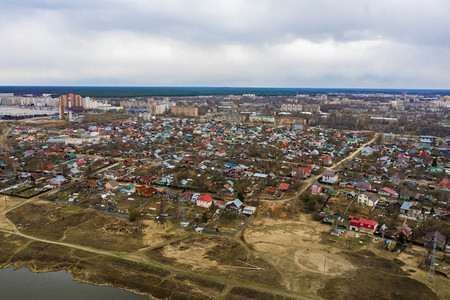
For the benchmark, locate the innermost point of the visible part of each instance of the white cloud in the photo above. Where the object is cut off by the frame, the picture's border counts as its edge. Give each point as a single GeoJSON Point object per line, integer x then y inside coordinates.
{"type": "Point", "coordinates": [402, 44]}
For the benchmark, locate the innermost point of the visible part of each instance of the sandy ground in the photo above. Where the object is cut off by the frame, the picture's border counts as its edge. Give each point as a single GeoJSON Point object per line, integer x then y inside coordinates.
{"type": "Point", "coordinates": [155, 234]}
{"type": "Point", "coordinates": [440, 286]}
{"type": "Point", "coordinates": [11, 202]}
{"type": "Point", "coordinates": [191, 254]}
{"type": "Point", "coordinates": [293, 245]}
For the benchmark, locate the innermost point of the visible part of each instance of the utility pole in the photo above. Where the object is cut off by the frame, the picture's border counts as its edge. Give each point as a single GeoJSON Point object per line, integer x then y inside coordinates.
{"type": "Point", "coordinates": [181, 210]}
{"type": "Point", "coordinates": [161, 212]}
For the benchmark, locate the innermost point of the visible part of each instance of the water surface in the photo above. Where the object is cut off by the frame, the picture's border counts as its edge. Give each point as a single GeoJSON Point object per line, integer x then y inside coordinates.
{"type": "Point", "coordinates": [24, 284]}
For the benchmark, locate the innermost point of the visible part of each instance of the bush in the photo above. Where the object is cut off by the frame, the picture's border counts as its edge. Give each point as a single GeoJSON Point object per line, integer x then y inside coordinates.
{"type": "Point", "coordinates": [133, 214]}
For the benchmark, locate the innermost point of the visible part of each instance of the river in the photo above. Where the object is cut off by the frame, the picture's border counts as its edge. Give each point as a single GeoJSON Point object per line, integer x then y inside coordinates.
{"type": "Point", "coordinates": [24, 284]}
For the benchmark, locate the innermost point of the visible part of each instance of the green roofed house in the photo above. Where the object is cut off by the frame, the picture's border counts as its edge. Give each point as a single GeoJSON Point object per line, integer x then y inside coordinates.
{"type": "Point", "coordinates": [351, 141]}
{"type": "Point", "coordinates": [437, 169]}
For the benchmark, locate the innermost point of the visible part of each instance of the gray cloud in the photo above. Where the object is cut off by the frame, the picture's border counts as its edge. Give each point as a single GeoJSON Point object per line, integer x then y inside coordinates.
{"type": "Point", "coordinates": [346, 43]}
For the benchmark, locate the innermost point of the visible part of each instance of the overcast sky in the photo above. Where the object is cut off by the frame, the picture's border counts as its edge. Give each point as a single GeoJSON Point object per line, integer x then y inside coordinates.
{"type": "Point", "coordinates": [258, 43]}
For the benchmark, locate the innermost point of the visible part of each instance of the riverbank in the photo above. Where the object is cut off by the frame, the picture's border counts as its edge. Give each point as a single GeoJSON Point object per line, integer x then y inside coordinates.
{"type": "Point", "coordinates": [49, 262]}
{"type": "Point", "coordinates": [24, 284]}
{"type": "Point", "coordinates": [102, 270]}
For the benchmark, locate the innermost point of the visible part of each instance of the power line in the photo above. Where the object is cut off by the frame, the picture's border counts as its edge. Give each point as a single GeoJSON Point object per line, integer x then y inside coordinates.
{"type": "Point", "coordinates": [432, 259]}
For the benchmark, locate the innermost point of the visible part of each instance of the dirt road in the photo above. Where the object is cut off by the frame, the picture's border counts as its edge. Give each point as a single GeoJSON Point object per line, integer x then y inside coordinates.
{"type": "Point", "coordinates": [311, 180]}
{"type": "Point", "coordinates": [224, 280]}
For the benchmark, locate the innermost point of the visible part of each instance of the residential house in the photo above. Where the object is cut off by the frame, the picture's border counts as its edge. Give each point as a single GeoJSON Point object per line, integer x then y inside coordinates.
{"type": "Point", "coordinates": [147, 191]}
{"type": "Point", "coordinates": [366, 151]}
{"type": "Point", "coordinates": [406, 194]}
{"type": "Point", "coordinates": [330, 176]}
{"type": "Point", "coordinates": [398, 178]}
{"type": "Point", "coordinates": [363, 185]}
{"type": "Point", "coordinates": [234, 205]}
{"type": "Point", "coordinates": [363, 225]}
{"type": "Point", "coordinates": [429, 199]}
{"type": "Point", "coordinates": [306, 171]}
{"type": "Point", "coordinates": [437, 169]}
{"type": "Point", "coordinates": [440, 239]}
{"type": "Point", "coordinates": [248, 210]}
{"type": "Point", "coordinates": [112, 185]}
{"type": "Point", "coordinates": [444, 184]}
{"type": "Point", "coordinates": [415, 211]}
{"type": "Point", "coordinates": [405, 230]}
{"type": "Point", "coordinates": [388, 192]}
{"type": "Point", "coordinates": [111, 174]}
{"type": "Point", "coordinates": [248, 191]}
{"type": "Point", "coordinates": [92, 184]}
{"type": "Point", "coordinates": [351, 195]}
{"type": "Point", "coordinates": [204, 201]}
{"type": "Point", "coordinates": [220, 203]}
{"type": "Point", "coordinates": [404, 209]}
{"type": "Point", "coordinates": [347, 184]}
{"type": "Point", "coordinates": [80, 163]}
{"type": "Point", "coordinates": [367, 199]}
{"type": "Point", "coordinates": [284, 187]}
{"type": "Point", "coordinates": [316, 188]}
{"type": "Point", "coordinates": [326, 161]}
{"type": "Point", "coordinates": [58, 180]}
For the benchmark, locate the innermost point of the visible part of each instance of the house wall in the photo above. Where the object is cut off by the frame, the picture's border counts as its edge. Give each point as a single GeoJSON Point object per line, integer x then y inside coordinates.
{"type": "Point", "coordinates": [330, 179]}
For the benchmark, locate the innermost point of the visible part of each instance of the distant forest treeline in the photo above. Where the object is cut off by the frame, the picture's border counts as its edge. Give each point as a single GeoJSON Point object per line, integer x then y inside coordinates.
{"type": "Point", "coordinates": [125, 92]}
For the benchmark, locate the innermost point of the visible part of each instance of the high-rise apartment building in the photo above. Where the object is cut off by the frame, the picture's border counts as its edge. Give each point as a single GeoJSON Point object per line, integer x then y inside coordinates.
{"type": "Point", "coordinates": [77, 100]}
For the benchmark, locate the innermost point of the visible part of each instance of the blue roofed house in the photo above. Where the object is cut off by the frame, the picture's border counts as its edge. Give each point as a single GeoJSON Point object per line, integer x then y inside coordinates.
{"type": "Point", "coordinates": [234, 205]}
{"type": "Point", "coordinates": [404, 209]}
{"type": "Point", "coordinates": [58, 180]}
{"type": "Point", "coordinates": [367, 150]}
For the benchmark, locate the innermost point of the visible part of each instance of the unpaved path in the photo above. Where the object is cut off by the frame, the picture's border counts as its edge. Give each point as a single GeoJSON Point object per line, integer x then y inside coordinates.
{"type": "Point", "coordinates": [146, 261]}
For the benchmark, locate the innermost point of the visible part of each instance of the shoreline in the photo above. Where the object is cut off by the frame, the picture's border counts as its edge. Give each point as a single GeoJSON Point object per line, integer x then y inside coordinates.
{"type": "Point", "coordinates": [34, 269]}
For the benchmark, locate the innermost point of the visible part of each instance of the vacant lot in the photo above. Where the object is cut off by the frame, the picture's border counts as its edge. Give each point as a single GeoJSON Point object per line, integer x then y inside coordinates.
{"type": "Point", "coordinates": [309, 264]}
{"type": "Point", "coordinates": [217, 256]}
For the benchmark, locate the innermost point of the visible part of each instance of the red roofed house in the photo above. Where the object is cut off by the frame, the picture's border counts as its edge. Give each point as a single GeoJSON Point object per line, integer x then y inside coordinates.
{"type": "Point", "coordinates": [363, 225]}
{"type": "Point", "coordinates": [146, 191]}
{"type": "Point", "coordinates": [306, 171]}
{"type": "Point", "coordinates": [326, 161]}
{"type": "Point", "coordinates": [444, 184]}
{"type": "Point", "coordinates": [204, 201]}
{"type": "Point", "coordinates": [80, 163]}
{"type": "Point", "coordinates": [388, 192]}
{"type": "Point", "coordinates": [284, 186]}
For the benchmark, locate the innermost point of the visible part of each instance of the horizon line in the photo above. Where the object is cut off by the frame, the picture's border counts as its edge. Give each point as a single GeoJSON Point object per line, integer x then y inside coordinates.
{"type": "Point", "coordinates": [224, 87]}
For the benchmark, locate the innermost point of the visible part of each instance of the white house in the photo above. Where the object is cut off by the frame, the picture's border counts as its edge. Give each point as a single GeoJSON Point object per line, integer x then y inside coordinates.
{"type": "Point", "coordinates": [330, 176]}
{"type": "Point", "coordinates": [367, 199]}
